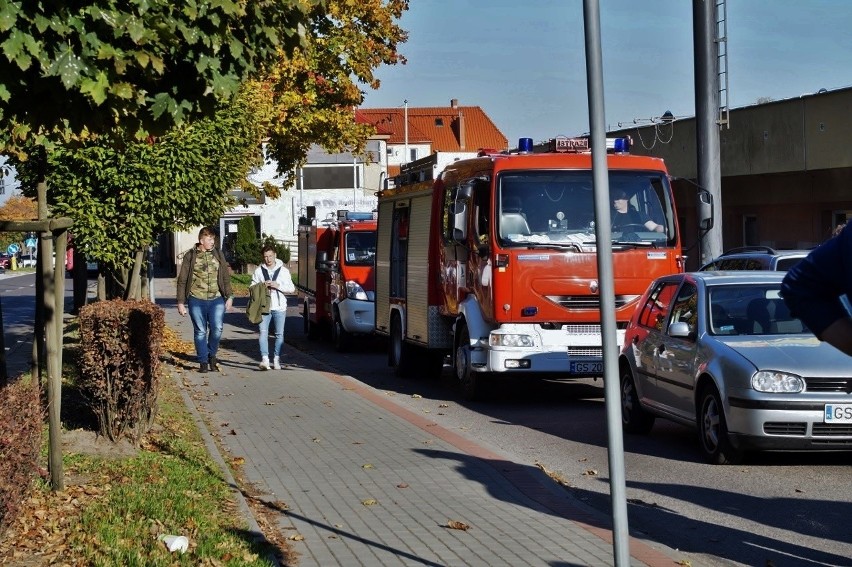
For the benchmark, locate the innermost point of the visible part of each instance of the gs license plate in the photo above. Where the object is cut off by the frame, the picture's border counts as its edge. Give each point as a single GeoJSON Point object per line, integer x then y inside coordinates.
{"type": "Point", "coordinates": [586, 367]}
{"type": "Point", "coordinates": [838, 413]}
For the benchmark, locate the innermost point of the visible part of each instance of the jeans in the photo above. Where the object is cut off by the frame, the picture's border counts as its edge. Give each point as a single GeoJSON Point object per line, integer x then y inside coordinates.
{"type": "Point", "coordinates": [207, 315]}
{"type": "Point", "coordinates": [277, 317]}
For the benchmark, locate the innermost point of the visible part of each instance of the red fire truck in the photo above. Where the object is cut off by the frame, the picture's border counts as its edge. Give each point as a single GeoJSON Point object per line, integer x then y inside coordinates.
{"type": "Point", "coordinates": [335, 279]}
{"type": "Point", "coordinates": [494, 262]}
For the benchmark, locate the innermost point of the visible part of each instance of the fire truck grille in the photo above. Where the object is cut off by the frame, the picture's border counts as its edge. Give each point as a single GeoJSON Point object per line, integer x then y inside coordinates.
{"type": "Point", "coordinates": [579, 352]}
{"type": "Point", "coordinates": [587, 301]}
{"type": "Point", "coordinates": [582, 329]}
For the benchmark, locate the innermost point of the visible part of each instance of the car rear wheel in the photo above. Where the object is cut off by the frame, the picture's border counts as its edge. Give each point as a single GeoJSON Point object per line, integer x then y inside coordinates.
{"type": "Point", "coordinates": [634, 418]}
{"type": "Point", "coordinates": [713, 429]}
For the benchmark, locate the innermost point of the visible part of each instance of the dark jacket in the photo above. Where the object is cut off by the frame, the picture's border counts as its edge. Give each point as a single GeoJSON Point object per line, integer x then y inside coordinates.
{"type": "Point", "coordinates": [184, 282]}
{"type": "Point", "coordinates": [813, 287]}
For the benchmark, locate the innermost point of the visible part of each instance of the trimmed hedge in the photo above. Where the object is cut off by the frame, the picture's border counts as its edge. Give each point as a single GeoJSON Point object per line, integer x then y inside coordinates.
{"type": "Point", "coordinates": [121, 347]}
{"type": "Point", "coordinates": [20, 439]}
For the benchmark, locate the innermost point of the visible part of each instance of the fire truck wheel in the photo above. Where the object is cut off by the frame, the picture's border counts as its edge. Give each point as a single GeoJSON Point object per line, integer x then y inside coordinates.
{"type": "Point", "coordinates": [401, 355]}
{"type": "Point", "coordinates": [309, 328]}
{"type": "Point", "coordinates": [339, 336]}
{"type": "Point", "coordinates": [469, 383]}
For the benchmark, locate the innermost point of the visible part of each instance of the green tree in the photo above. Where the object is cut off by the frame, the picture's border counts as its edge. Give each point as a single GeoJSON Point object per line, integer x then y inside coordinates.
{"type": "Point", "coordinates": [122, 197]}
{"type": "Point", "coordinates": [247, 246]}
{"type": "Point", "coordinates": [70, 69]}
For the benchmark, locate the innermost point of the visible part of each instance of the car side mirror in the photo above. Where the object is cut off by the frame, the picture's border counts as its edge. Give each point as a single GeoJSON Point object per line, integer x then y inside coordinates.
{"type": "Point", "coordinates": [681, 330]}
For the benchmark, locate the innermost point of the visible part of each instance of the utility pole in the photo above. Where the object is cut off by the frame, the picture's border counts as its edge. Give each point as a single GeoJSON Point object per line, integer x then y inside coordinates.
{"type": "Point", "coordinates": [706, 116]}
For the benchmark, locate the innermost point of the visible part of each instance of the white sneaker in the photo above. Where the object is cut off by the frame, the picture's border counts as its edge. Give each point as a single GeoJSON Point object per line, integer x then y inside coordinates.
{"type": "Point", "coordinates": [264, 363]}
{"type": "Point", "coordinates": [276, 364]}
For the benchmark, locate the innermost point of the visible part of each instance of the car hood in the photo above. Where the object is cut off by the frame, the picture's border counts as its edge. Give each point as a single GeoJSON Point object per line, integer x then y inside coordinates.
{"type": "Point", "coordinates": [804, 355]}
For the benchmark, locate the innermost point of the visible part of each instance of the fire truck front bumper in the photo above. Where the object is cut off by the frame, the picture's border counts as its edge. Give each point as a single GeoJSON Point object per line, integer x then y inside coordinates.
{"type": "Point", "coordinates": [551, 351]}
{"type": "Point", "coordinates": [357, 316]}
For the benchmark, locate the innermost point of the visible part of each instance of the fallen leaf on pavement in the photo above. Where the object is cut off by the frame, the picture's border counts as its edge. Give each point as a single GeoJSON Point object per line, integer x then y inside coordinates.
{"type": "Point", "coordinates": [238, 460]}
{"type": "Point", "coordinates": [590, 472]}
{"type": "Point", "coordinates": [367, 466]}
{"type": "Point", "coordinates": [232, 432]}
{"type": "Point", "coordinates": [402, 485]}
{"type": "Point", "coordinates": [369, 502]}
{"type": "Point", "coordinates": [296, 537]}
{"type": "Point", "coordinates": [269, 403]}
{"type": "Point", "coordinates": [416, 396]}
{"type": "Point", "coordinates": [444, 405]}
{"type": "Point", "coordinates": [456, 525]}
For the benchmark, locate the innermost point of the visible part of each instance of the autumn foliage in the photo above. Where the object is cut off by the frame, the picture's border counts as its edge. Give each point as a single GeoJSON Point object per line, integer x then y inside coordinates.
{"type": "Point", "coordinates": [20, 436]}
{"type": "Point", "coordinates": [122, 344]}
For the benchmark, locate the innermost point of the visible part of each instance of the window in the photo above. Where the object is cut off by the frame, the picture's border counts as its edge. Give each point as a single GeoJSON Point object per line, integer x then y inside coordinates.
{"type": "Point", "coordinates": [654, 311]}
{"type": "Point", "coordinates": [685, 309]}
{"type": "Point", "coordinates": [413, 152]}
{"type": "Point", "coordinates": [331, 176]}
{"type": "Point", "coordinates": [439, 122]}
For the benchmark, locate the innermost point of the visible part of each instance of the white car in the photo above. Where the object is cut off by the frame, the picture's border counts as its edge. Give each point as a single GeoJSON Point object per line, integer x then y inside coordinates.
{"type": "Point", "coordinates": [28, 261]}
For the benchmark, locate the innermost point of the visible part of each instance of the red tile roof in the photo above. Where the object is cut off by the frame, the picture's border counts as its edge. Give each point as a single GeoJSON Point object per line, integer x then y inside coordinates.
{"type": "Point", "coordinates": [447, 128]}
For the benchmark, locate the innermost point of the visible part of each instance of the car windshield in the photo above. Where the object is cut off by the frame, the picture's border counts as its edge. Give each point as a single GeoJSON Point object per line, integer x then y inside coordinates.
{"type": "Point", "coordinates": [756, 309]}
{"type": "Point", "coordinates": [557, 208]}
{"type": "Point", "coordinates": [360, 248]}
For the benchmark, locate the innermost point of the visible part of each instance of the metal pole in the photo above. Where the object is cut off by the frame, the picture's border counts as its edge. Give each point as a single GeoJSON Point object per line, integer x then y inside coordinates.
{"type": "Point", "coordinates": [603, 235]}
{"type": "Point", "coordinates": [706, 113]}
{"type": "Point", "coordinates": [405, 157]}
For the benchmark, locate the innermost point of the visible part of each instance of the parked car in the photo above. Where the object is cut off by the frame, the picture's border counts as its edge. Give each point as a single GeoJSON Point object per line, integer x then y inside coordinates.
{"type": "Point", "coordinates": [756, 258]}
{"type": "Point", "coordinates": [5, 261]}
{"type": "Point", "coordinates": [720, 351]}
{"type": "Point", "coordinates": [27, 261]}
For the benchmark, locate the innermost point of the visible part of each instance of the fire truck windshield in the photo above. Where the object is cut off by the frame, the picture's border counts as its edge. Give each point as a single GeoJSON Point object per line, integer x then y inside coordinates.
{"type": "Point", "coordinates": [360, 248]}
{"type": "Point", "coordinates": [557, 207]}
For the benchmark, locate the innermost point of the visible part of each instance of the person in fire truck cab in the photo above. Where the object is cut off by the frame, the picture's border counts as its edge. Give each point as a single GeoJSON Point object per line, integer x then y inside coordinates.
{"type": "Point", "coordinates": [624, 215]}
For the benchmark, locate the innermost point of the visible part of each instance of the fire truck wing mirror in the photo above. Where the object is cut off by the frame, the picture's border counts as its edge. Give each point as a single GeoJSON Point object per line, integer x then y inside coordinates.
{"type": "Point", "coordinates": [323, 264]}
{"type": "Point", "coordinates": [465, 191]}
{"type": "Point", "coordinates": [705, 210]}
{"type": "Point", "coordinates": [459, 222]}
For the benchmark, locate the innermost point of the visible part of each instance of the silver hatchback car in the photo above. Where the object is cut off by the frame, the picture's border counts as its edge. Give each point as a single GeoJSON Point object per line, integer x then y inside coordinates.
{"type": "Point", "coordinates": [720, 351]}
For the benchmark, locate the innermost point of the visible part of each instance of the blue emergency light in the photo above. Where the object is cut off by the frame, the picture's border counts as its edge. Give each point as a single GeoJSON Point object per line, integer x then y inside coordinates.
{"type": "Point", "coordinates": [525, 145]}
{"type": "Point", "coordinates": [618, 145]}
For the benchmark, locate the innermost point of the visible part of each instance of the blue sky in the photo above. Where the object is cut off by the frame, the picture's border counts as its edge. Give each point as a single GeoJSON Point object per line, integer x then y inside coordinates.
{"type": "Point", "coordinates": [523, 61]}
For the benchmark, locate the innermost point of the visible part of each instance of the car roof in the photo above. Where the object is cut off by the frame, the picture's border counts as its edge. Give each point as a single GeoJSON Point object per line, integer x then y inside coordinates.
{"type": "Point", "coordinates": [730, 277]}
{"type": "Point", "coordinates": [766, 256]}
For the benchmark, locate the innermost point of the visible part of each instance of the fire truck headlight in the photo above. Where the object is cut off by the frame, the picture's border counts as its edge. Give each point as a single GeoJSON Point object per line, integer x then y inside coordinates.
{"type": "Point", "coordinates": [355, 291]}
{"type": "Point", "coordinates": [499, 339]}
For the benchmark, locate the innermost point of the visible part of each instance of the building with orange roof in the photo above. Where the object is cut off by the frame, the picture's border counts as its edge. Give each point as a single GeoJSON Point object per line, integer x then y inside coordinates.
{"type": "Point", "coordinates": [427, 130]}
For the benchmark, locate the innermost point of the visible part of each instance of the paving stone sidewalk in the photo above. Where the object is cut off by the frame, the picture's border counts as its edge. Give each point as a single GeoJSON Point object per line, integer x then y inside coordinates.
{"type": "Point", "coordinates": [367, 482]}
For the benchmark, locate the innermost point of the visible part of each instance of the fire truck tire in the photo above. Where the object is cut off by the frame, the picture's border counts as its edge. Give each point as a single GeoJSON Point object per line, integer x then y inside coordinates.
{"type": "Point", "coordinates": [339, 336]}
{"type": "Point", "coordinates": [309, 328]}
{"type": "Point", "coordinates": [401, 354]}
{"type": "Point", "coordinates": [470, 383]}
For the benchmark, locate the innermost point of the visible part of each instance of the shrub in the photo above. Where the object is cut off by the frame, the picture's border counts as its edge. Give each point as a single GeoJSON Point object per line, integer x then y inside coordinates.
{"type": "Point", "coordinates": [281, 251]}
{"type": "Point", "coordinates": [20, 438]}
{"type": "Point", "coordinates": [247, 247]}
{"type": "Point", "coordinates": [121, 346]}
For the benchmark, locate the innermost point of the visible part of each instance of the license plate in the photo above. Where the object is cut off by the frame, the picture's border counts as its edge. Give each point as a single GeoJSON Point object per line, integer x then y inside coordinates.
{"type": "Point", "coordinates": [586, 367]}
{"type": "Point", "coordinates": [838, 413]}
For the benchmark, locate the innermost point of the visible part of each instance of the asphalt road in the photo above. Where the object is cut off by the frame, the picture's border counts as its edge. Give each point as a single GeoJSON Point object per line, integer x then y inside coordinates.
{"type": "Point", "coordinates": [790, 509]}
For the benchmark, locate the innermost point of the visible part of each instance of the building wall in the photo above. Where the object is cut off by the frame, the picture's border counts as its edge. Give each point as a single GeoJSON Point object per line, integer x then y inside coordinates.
{"type": "Point", "coordinates": [786, 168]}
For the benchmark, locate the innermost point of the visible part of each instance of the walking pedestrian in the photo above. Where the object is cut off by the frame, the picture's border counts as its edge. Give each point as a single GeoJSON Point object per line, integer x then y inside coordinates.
{"type": "Point", "coordinates": [204, 291]}
{"type": "Point", "coordinates": [275, 276]}
{"type": "Point", "coordinates": [817, 290]}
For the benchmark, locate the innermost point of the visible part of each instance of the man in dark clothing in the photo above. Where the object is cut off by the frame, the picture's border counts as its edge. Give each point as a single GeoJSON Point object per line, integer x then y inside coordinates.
{"type": "Point", "coordinates": [814, 288]}
{"type": "Point", "coordinates": [624, 215]}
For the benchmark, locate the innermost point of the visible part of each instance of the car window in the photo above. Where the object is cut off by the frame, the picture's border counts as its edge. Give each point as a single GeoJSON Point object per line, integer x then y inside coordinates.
{"type": "Point", "coordinates": [785, 264]}
{"type": "Point", "coordinates": [685, 308]}
{"type": "Point", "coordinates": [751, 310]}
{"type": "Point", "coordinates": [742, 264]}
{"type": "Point", "coordinates": [654, 310]}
